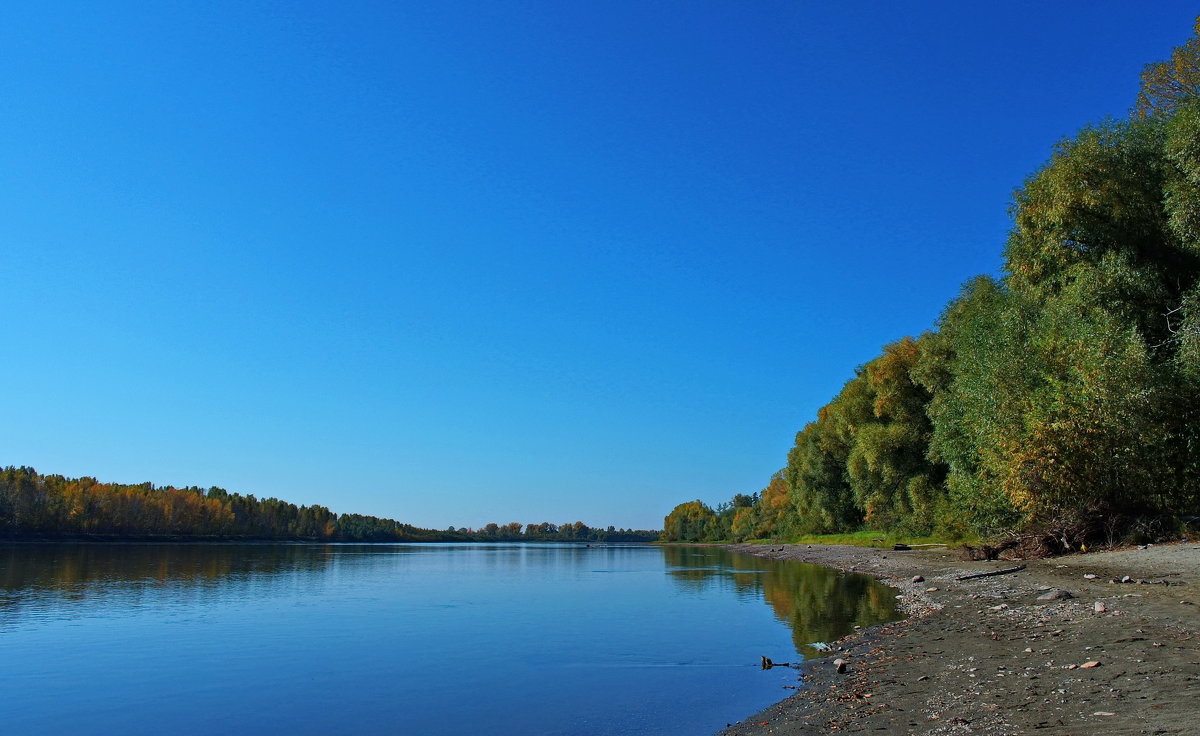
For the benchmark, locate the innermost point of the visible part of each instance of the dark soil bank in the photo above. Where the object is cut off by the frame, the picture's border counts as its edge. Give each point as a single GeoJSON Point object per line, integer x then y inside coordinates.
{"type": "Point", "coordinates": [991, 656]}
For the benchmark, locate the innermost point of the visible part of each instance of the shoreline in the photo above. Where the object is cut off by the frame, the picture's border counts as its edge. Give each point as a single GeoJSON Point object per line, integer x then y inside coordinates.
{"type": "Point", "coordinates": [986, 656]}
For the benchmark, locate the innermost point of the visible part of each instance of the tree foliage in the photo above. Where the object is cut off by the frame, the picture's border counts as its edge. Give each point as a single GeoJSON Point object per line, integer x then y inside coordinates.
{"type": "Point", "coordinates": [33, 505]}
{"type": "Point", "coordinates": [1063, 396]}
{"type": "Point", "coordinates": [893, 480]}
{"type": "Point", "coordinates": [1168, 84]}
{"type": "Point", "coordinates": [692, 521]}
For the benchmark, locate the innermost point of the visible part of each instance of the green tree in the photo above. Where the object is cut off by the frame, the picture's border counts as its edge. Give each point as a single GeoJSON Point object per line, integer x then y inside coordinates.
{"type": "Point", "coordinates": [1168, 84]}
{"type": "Point", "coordinates": [693, 521]}
{"type": "Point", "coordinates": [774, 512]}
{"type": "Point", "coordinates": [890, 474]}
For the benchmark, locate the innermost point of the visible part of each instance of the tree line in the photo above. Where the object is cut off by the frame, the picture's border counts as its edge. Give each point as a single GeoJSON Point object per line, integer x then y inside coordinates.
{"type": "Point", "coordinates": [575, 531]}
{"type": "Point", "coordinates": [1060, 401]}
{"type": "Point", "coordinates": [36, 506]}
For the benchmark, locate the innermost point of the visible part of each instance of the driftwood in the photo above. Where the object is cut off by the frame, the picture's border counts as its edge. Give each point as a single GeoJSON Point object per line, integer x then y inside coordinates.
{"type": "Point", "coordinates": [768, 664]}
{"type": "Point", "coordinates": [1005, 571]}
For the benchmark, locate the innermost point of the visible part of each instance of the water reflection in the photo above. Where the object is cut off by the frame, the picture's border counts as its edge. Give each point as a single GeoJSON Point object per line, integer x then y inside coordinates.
{"type": "Point", "coordinates": [818, 603]}
{"type": "Point", "coordinates": [37, 580]}
{"type": "Point", "coordinates": [60, 581]}
{"type": "Point", "coordinates": [192, 639]}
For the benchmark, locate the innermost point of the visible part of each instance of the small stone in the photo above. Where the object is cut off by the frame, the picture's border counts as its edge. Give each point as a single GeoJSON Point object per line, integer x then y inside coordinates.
{"type": "Point", "coordinates": [1058, 594]}
{"type": "Point", "coordinates": [918, 579]}
{"type": "Point", "coordinates": [922, 678]}
{"type": "Point", "coordinates": [1089, 576]}
{"type": "Point", "coordinates": [840, 664]}
{"type": "Point", "coordinates": [1103, 713]}
{"type": "Point", "coordinates": [1100, 607]}
{"type": "Point", "coordinates": [1126, 579]}
{"type": "Point", "coordinates": [1029, 650]}
{"type": "Point", "coordinates": [1089, 665]}
{"type": "Point", "coordinates": [931, 590]}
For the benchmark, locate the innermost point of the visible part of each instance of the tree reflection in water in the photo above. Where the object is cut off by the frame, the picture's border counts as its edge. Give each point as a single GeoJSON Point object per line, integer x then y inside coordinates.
{"type": "Point", "coordinates": [818, 603]}
{"type": "Point", "coordinates": [37, 575]}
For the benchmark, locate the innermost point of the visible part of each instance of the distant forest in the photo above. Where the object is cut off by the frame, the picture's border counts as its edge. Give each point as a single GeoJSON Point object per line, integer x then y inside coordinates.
{"type": "Point", "coordinates": [36, 506]}
{"type": "Point", "coordinates": [1058, 404]}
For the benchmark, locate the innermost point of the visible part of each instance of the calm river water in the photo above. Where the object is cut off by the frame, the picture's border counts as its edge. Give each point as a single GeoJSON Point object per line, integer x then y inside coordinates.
{"type": "Point", "coordinates": [406, 639]}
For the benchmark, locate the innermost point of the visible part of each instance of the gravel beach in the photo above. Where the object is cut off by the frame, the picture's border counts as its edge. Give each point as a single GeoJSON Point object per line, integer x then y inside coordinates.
{"type": "Point", "coordinates": [1117, 651]}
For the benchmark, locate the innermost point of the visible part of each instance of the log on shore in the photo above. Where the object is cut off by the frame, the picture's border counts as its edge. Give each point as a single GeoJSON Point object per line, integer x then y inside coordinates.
{"type": "Point", "coordinates": [1005, 571]}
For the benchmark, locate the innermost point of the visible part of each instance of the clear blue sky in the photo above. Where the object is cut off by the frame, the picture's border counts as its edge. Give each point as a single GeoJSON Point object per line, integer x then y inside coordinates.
{"type": "Point", "coordinates": [456, 262]}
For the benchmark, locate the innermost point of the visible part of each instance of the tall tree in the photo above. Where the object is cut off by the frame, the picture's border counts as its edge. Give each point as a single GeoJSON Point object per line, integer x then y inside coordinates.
{"type": "Point", "coordinates": [893, 480]}
{"type": "Point", "coordinates": [693, 521]}
{"type": "Point", "coordinates": [1168, 84]}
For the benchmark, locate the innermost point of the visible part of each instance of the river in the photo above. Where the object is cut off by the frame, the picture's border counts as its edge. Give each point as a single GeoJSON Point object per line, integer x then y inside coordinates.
{"type": "Point", "coordinates": [520, 640]}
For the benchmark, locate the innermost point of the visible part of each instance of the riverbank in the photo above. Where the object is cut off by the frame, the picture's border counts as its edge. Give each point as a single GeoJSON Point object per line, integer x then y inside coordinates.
{"type": "Point", "coordinates": [989, 656]}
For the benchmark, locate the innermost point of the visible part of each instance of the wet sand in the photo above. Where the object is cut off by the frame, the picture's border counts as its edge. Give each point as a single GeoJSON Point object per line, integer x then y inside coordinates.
{"type": "Point", "coordinates": [986, 656]}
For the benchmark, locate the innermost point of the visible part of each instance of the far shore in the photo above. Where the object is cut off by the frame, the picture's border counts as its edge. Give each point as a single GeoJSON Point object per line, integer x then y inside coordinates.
{"type": "Point", "coordinates": [1121, 655]}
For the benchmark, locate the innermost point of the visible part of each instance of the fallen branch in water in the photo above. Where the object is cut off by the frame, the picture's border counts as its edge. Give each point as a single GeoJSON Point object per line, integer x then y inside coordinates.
{"type": "Point", "coordinates": [1005, 571]}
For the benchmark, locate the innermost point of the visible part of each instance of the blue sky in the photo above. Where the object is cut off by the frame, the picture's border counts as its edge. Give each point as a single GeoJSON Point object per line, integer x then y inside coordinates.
{"type": "Point", "coordinates": [454, 262]}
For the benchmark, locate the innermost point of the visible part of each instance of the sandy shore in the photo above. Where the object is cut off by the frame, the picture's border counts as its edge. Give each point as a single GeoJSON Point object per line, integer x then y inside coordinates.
{"type": "Point", "coordinates": [986, 656]}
